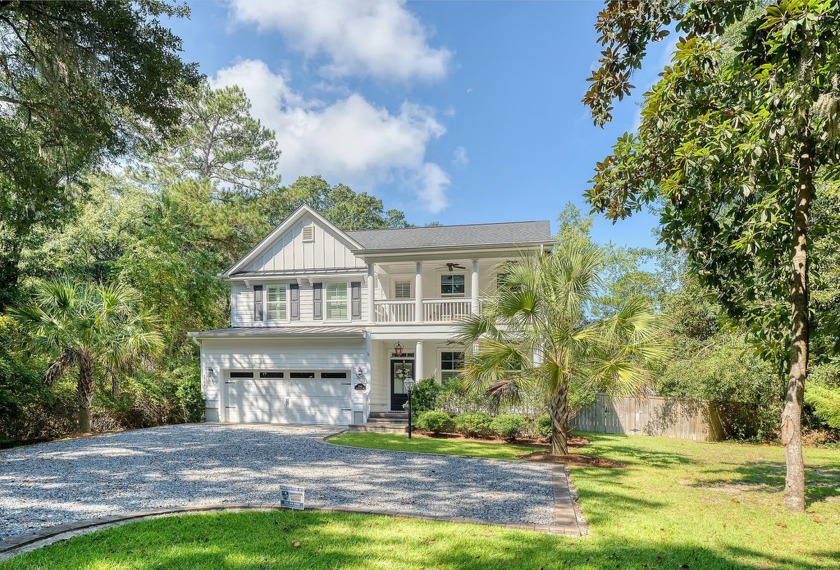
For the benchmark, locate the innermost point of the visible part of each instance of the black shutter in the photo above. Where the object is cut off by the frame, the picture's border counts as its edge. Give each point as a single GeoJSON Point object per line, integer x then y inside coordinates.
{"type": "Point", "coordinates": [294, 298]}
{"type": "Point", "coordinates": [356, 299]}
{"type": "Point", "coordinates": [317, 303]}
{"type": "Point", "coordinates": [258, 303]}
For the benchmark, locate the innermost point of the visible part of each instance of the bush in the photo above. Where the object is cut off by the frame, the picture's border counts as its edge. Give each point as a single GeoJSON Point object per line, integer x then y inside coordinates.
{"type": "Point", "coordinates": [424, 395]}
{"type": "Point", "coordinates": [435, 422]}
{"type": "Point", "coordinates": [826, 404]}
{"type": "Point", "coordinates": [474, 425]}
{"type": "Point", "coordinates": [507, 426]}
{"type": "Point", "coordinates": [544, 425]}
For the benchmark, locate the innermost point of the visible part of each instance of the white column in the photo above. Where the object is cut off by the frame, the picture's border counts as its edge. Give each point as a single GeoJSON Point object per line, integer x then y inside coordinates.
{"type": "Point", "coordinates": [418, 292]}
{"type": "Point", "coordinates": [474, 291]}
{"type": "Point", "coordinates": [418, 361]}
{"type": "Point", "coordinates": [371, 289]}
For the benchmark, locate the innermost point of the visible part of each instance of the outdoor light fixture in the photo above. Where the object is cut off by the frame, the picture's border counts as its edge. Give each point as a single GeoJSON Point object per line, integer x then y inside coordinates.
{"type": "Point", "coordinates": [398, 349]}
{"type": "Point", "coordinates": [409, 385]}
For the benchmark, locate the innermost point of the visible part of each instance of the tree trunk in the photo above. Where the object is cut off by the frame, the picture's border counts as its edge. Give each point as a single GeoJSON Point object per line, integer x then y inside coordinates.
{"type": "Point", "coordinates": [794, 497]}
{"type": "Point", "coordinates": [84, 390]}
{"type": "Point", "coordinates": [559, 411]}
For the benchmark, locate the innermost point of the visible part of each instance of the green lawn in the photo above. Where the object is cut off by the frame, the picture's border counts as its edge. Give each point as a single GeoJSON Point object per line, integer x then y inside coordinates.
{"type": "Point", "coordinates": [676, 504]}
{"type": "Point", "coordinates": [422, 444]}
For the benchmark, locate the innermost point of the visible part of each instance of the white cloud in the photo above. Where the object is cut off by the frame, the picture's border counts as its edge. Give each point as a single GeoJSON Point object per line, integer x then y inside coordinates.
{"type": "Point", "coordinates": [349, 140]}
{"type": "Point", "coordinates": [377, 38]}
{"type": "Point", "coordinates": [459, 156]}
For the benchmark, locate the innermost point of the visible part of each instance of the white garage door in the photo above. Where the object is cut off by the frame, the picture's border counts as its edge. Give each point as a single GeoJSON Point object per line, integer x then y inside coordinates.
{"type": "Point", "coordinates": [289, 397]}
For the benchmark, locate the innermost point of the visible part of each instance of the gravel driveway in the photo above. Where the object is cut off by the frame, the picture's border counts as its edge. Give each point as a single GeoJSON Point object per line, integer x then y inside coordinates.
{"type": "Point", "coordinates": [194, 464]}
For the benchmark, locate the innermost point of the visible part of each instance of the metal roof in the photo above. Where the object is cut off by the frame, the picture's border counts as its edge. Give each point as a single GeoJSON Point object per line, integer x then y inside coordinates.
{"type": "Point", "coordinates": [251, 332]}
{"type": "Point", "coordinates": [506, 234]}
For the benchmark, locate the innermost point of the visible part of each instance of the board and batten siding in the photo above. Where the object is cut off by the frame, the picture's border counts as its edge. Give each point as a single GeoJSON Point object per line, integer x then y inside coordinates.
{"type": "Point", "coordinates": [242, 304]}
{"type": "Point", "coordinates": [289, 252]}
{"type": "Point", "coordinates": [223, 355]}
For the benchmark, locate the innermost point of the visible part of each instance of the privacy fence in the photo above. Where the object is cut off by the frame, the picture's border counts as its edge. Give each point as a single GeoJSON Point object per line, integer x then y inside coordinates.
{"type": "Point", "coordinates": [651, 415]}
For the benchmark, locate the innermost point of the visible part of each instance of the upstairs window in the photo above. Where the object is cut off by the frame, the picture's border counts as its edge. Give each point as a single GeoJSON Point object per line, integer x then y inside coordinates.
{"type": "Point", "coordinates": [451, 365]}
{"type": "Point", "coordinates": [336, 301]}
{"type": "Point", "coordinates": [276, 303]}
{"type": "Point", "coordinates": [402, 290]}
{"type": "Point", "coordinates": [452, 285]}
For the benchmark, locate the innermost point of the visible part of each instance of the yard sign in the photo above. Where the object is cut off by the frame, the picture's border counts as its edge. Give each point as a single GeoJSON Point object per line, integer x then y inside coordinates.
{"type": "Point", "coordinates": [291, 497]}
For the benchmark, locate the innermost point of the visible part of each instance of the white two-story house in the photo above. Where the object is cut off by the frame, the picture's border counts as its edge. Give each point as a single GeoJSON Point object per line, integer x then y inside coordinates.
{"type": "Point", "coordinates": [326, 324]}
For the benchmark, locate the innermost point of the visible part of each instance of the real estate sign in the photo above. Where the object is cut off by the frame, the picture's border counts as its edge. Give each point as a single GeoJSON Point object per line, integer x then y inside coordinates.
{"type": "Point", "coordinates": [291, 497]}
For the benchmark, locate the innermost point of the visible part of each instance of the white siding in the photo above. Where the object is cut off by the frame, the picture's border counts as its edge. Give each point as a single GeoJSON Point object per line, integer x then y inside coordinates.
{"type": "Point", "coordinates": [242, 304]}
{"type": "Point", "coordinates": [283, 354]}
{"type": "Point", "coordinates": [290, 253]}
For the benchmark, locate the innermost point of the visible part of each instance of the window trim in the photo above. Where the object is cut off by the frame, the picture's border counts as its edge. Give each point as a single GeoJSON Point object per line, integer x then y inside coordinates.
{"type": "Point", "coordinates": [402, 281]}
{"type": "Point", "coordinates": [287, 307]}
{"type": "Point", "coordinates": [453, 295]}
{"type": "Point", "coordinates": [347, 303]}
{"type": "Point", "coordinates": [440, 363]}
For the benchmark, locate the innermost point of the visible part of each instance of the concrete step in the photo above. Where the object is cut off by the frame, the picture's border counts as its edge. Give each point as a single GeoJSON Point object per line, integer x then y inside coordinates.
{"type": "Point", "coordinates": [396, 421]}
{"type": "Point", "coordinates": [389, 415]}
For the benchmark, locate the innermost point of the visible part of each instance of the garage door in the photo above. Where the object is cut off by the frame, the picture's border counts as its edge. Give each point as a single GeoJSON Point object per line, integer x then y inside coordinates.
{"type": "Point", "coordinates": [288, 397]}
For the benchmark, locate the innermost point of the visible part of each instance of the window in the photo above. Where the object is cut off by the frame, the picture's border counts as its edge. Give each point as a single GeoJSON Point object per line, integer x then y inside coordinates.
{"type": "Point", "coordinates": [309, 233]}
{"type": "Point", "coordinates": [276, 303]}
{"type": "Point", "coordinates": [451, 365]}
{"type": "Point", "coordinates": [501, 280]}
{"type": "Point", "coordinates": [271, 375]}
{"type": "Point", "coordinates": [301, 375]}
{"type": "Point", "coordinates": [241, 374]}
{"type": "Point", "coordinates": [336, 297]}
{"type": "Point", "coordinates": [452, 285]}
{"type": "Point", "coordinates": [402, 290]}
{"type": "Point", "coordinates": [335, 375]}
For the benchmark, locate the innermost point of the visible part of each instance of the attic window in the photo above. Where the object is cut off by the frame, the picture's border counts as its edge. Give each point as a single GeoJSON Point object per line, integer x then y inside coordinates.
{"type": "Point", "coordinates": [309, 233]}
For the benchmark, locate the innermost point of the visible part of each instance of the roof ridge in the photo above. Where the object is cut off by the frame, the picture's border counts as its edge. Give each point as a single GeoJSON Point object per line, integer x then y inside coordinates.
{"type": "Point", "coordinates": [449, 226]}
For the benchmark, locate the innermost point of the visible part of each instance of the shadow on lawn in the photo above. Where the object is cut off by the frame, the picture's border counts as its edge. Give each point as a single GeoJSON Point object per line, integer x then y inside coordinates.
{"type": "Point", "coordinates": [320, 540]}
{"type": "Point", "coordinates": [769, 477]}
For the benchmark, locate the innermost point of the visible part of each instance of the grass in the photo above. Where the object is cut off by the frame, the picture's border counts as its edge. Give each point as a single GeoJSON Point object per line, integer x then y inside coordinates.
{"type": "Point", "coordinates": [422, 444]}
{"type": "Point", "coordinates": [676, 504]}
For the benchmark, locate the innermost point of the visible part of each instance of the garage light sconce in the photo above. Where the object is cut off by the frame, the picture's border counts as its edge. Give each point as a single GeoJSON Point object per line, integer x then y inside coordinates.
{"type": "Point", "coordinates": [360, 379]}
{"type": "Point", "coordinates": [210, 372]}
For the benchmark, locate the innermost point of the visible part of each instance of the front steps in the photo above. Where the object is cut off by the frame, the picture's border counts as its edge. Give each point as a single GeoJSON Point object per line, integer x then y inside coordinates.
{"type": "Point", "coordinates": [384, 422]}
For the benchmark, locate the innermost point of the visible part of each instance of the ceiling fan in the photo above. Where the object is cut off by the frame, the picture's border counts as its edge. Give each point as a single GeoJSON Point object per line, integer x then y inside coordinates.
{"type": "Point", "coordinates": [453, 266]}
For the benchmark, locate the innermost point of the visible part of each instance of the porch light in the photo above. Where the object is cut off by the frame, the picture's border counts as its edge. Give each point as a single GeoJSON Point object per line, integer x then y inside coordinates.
{"type": "Point", "coordinates": [398, 349]}
{"type": "Point", "coordinates": [408, 382]}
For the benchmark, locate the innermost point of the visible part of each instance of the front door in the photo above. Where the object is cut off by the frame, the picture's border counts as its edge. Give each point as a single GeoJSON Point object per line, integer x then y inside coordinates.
{"type": "Point", "coordinates": [400, 370]}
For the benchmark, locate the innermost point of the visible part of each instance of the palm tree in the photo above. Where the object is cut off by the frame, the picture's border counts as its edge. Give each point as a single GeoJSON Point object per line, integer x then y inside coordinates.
{"type": "Point", "coordinates": [536, 336]}
{"type": "Point", "coordinates": [83, 326]}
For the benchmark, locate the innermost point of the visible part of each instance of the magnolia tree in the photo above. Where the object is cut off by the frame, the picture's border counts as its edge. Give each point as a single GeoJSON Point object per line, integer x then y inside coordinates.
{"type": "Point", "coordinates": [732, 140]}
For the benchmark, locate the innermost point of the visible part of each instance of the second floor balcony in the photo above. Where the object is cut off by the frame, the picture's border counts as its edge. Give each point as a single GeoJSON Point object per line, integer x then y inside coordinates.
{"type": "Point", "coordinates": [424, 311]}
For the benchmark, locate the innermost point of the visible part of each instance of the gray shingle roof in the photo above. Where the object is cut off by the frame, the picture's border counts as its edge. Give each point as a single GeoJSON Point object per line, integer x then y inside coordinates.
{"type": "Point", "coordinates": [246, 332]}
{"type": "Point", "coordinates": [507, 234]}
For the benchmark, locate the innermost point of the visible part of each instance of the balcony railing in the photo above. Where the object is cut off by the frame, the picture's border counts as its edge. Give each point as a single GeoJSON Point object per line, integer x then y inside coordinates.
{"type": "Point", "coordinates": [434, 310]}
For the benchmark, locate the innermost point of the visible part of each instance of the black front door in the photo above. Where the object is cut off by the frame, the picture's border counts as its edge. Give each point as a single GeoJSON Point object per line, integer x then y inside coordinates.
{"type": "Point", "coordinates": [400, 370]}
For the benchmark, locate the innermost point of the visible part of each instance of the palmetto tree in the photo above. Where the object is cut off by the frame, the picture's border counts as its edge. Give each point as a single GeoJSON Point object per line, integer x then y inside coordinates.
{"type": "Point", "coordinates": [535, 335]}
{"type": "Point", "coordinates": [83, 326]}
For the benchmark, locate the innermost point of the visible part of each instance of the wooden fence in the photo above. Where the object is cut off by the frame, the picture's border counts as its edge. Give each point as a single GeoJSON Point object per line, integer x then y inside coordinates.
{"type": "Point", "coordinates": [651, 415]}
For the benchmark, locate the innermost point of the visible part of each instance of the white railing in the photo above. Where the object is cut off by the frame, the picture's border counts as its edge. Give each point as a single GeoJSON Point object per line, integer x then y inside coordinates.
{"type": "Point", "coordinates": [394, 311]}
{"type": "Point", "coordinates": [434, 310]}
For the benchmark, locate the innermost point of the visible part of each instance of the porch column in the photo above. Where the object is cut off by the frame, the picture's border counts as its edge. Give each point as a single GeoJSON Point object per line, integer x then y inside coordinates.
{"type": "Point", "coordinates": [418, 292]}
{"type": "Point", "coordinates": [474, 290]}
{"type": "Point", "coordinates": [371, 275]}
{"type": "Point", "coordinates": [418, 361]}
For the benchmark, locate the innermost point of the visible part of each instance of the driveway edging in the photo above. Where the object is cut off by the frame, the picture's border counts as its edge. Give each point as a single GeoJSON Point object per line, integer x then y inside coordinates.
{"type": "Point", "coordinates": [20, 544]}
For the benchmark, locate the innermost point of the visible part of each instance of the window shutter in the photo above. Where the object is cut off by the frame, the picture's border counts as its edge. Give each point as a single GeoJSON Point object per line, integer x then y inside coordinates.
{"type": "Point", "coordinates": [356, 300]}
{"type": "Point", "coordinates": [317, 302]}
{"type": "Point", "coordinates": [258, 303]}
{"type": "Point", "coordinates": [294, 301]}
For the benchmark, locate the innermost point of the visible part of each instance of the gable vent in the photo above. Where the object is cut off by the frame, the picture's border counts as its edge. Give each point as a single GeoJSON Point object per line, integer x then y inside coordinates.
{"type": "Point", "coordinates": [309, 233]}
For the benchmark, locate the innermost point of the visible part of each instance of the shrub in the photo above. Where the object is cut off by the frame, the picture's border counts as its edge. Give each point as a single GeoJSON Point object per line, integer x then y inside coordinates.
{"type": "Point", "coordinates": [544, 425]}
{"type": "Point", "coordinates": [435, 422]}
{"type": "Point", "coordinates": [474, 425]}
{"type": "Point", "coordinates": [825, 403]}
{"type": "Point", "coordinates": [424, 395]}
{"type": "Point", "coordinates": [507, 426]}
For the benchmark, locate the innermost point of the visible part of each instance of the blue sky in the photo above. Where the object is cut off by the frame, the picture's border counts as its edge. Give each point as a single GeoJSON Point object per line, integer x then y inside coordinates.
{"type": "Point", "coordinates": [458, 112]}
